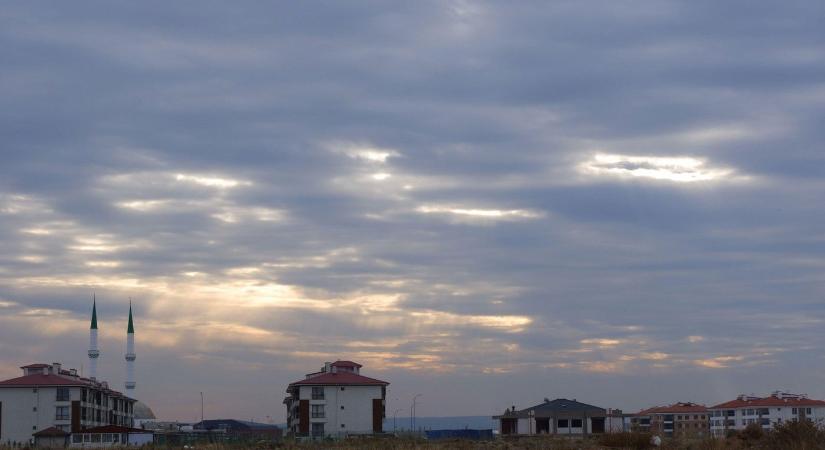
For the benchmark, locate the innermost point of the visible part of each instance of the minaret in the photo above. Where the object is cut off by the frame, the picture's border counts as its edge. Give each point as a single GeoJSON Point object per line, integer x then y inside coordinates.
{"type": "Point", "coordinates": [130, 355]}
{"type": "Point", "coordinates": [93, 351]}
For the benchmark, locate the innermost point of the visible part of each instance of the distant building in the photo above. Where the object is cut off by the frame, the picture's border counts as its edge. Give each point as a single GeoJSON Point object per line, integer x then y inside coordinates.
{"type": "Point", "coordinates": [768, 411]}
{"type": "Point", "coordinates": [336, 401]}
{"type": "Point", "coordinates": [559, 417]}
{"type": "Point", "coordinates": [677, 420]}
{"type": "Point", "coordinates": [241, 430]}
{"type": "Point", "coordinates": [47, 396]}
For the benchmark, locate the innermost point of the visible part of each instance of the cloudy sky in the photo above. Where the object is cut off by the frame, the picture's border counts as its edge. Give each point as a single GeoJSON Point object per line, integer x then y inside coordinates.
{"type": "Point", "coordinates": [488, 203]}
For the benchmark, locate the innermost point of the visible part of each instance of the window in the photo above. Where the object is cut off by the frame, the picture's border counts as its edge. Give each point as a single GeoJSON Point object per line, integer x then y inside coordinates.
{"type": "Point", "coordinates": [808, 411]}
{"type": "Point", "coordinates": [794, 411]}
{"type": "Point", "coordinates": [34, 391]}
{"type": "Point", "coordinates": [62, 394]}
{"type": "Point", "coordinates": [562, 423]}
{"type": "Point", "coordinates": [342, 425]}
{"type": "Point", "coordinates": [342, 407]}
{"type": "Point", "coordinates": [318, 429]}
{"type": "Point", "coordinates": [95, 437]}
{"type": "Point", "coordinates": [343, 388]}
{"type": "Point", "coordinates": [61, 413]}
{"type": "Point", "coordinates": [317, 392]}
{"type": "Point", "coordinates": [317, 411]}
{"type": "Point", "coordinates": [34, 408]}
{"type": "Point", "coordinates": [766, 421]}
{"type": "Point", "coordinates": [576, 423]}
{"type": "Point", "coordinates": [765, 411]}
{"type": "Point", "coordinates": [77, 438]}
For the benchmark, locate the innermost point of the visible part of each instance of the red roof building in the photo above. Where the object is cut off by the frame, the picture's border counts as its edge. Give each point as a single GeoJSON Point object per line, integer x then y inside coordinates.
{"type": "Point", "coordinates": [682, 419]}
{"type": "Point", "coordinates": [766, 412]}
{"type": "Point", "coordinates": [60, 399]}
{"type": "Point", "coordinates": [336, 401]}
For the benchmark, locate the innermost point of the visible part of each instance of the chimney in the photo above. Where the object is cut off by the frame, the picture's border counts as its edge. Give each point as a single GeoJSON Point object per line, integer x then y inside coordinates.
{"type": "Point", "coordinates": [327, 366]}
{"type": "Point", "coordinates": [334, 369]}
{"type": "Point", "coordinates": [73, 372]}
{"type": "Point", "coordinates": [57, 367]}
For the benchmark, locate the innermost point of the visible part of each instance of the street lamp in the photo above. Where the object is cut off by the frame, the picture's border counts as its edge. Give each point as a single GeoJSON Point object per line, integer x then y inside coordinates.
{"type": "Point", "coordinates": [395, 418]}
{"type": "Point", "coordinates": [412, 412]}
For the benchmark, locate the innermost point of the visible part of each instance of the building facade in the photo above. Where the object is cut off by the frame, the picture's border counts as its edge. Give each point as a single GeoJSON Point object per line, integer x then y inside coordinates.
{"type": "Point", "coordinates": [678, 420]}
{"type": "Point", "coordinates": [559, 417]}
{"type": "Point", "coordinates": [48, 396]}
{"type": "Point", "coordinates": [336, 401]}
{"type": "Point", "coordinates": [766, 412]}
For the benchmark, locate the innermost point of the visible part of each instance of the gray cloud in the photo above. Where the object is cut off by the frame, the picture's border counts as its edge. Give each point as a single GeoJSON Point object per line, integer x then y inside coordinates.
{"type": "Point", "coordinates": [222, 165]}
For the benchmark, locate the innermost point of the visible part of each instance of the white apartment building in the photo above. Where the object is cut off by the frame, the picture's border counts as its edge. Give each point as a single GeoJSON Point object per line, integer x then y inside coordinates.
{"type": "Point", "coordinates": [336, 401]}
{"type": "Point", "coordinates": [766, 411]}
{"type": "Point", "coordinates": [48, 396]}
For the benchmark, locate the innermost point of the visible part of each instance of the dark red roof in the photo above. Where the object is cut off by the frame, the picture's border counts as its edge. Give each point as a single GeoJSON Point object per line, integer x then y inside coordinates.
{"type": "Point", "coordinates": [115, 429]}
{"type": "Point", "coordinates": [339, 378]}
{"type": "Point", "coordinates": [674, 409]}
{"type": "Point", "coordinates": [51, 432]}
{"type": "Point", "coordinates": [346, 364]}
{"type": "Point", "coordinates": [35, 366]}
{"type": "Point", "coordinates": [43, 380]}
{"type": "Point", "coordinates": [769, 401]}
{"type": "Point", "coordinates": [55, 380]}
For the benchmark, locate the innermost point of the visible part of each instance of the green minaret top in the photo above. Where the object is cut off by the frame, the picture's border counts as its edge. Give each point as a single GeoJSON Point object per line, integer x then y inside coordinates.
{"type": "Point", "coordinates": [131, 328]}
{"type": "Point", "coordinates": [94, 313]}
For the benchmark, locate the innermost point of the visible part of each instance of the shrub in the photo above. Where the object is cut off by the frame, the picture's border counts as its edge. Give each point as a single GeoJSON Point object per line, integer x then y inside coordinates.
{"type": "Point", "coordinates": [638, 441]}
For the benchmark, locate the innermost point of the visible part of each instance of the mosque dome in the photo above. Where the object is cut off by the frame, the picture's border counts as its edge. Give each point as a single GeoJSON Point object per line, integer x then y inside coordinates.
{"type": "Point", "coordinates": [143, 412]}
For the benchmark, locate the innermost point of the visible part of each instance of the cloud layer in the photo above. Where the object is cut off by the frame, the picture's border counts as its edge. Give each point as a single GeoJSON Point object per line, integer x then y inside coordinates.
{"type": "Point", "coordinates": [488, 204]}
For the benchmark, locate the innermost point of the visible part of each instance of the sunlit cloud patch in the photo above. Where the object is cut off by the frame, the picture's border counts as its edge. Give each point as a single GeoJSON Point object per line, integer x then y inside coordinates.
{"type": "Point", "coordinates": [479, 213]}
{"type": "Point", "coordinates": [675, 169]}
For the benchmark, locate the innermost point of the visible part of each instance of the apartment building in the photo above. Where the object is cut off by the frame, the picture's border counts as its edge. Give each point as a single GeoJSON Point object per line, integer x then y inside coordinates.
{"type": "Point", "coordinates": [336, 401]}
{"type": "Point", "coordinates": [683, 419]}
{"type": "Point", "coordinates": [767, 412]}
{"type": "Point", "coordinates": [48, 396]}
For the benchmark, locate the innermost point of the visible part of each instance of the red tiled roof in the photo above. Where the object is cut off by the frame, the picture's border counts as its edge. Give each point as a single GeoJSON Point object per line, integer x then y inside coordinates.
{"type": "Point", "coordinates": [51, 432]}
{"type": "Point", "coordinates": [115, 429]}
{"type": "Point", "coordinates": [43, 380]}
{"type": "Point", "coordinates": [674, 409]}
{"type": "Point", "coordinates": [340, 378]}
{"type": "Point", "coordinates": [768, 401]}
{"type": "Point", "coordinates": [346, 364]}
{"type": "Point", "coordinates": [54, 380]}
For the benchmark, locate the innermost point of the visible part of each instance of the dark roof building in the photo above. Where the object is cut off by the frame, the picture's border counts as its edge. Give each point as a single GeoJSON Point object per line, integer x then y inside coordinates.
{"type": "Point", "coordinates": [559, 416]}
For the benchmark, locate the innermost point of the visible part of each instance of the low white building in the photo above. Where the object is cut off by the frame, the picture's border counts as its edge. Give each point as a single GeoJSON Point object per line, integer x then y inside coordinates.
{"type": "Point", "coordinates": [765, 411]}
{"type": "Point", "coordinates": [47, 396]}
{"type": "Point", "coordinates": [336, 401]}
{"type": "Point", "coordinates": [560, 417]}
{"type": "Point", "coordinates": [111, 436]}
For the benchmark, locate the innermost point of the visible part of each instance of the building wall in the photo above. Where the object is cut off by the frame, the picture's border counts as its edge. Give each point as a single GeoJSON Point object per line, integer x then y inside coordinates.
{"type": "Point", "coordinates": [27, 410]}
{"type": "Point", "coordinates": [742, 417]}
{"type": "Point", "coordinates": [356, 415]}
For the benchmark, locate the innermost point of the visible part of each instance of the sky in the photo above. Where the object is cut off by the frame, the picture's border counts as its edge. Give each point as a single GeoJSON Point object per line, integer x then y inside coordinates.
{"type": "Point", "coordinates": [487, 203]}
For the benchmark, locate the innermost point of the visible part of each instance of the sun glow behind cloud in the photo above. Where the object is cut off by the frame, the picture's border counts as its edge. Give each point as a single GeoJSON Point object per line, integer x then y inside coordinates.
{"type": "Point", "coordinates": [675, 169]}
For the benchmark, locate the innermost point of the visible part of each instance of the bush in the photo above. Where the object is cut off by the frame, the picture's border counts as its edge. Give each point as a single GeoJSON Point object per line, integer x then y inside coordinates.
{"type": "Point", "coordinates": [638, 441]}
{"type": "Point", "coordinates": [796, 435]}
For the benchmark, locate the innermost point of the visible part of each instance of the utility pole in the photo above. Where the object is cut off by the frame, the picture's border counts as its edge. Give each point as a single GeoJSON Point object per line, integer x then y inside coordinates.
{"type": "Point", "coordinates": [201, 408]}
{"type": "Point", "coordinates": [412, 411]}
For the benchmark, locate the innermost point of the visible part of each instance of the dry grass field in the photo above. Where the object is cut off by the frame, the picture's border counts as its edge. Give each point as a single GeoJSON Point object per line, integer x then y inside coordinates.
{"type": "Point", "coordinates": [790, 436]}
